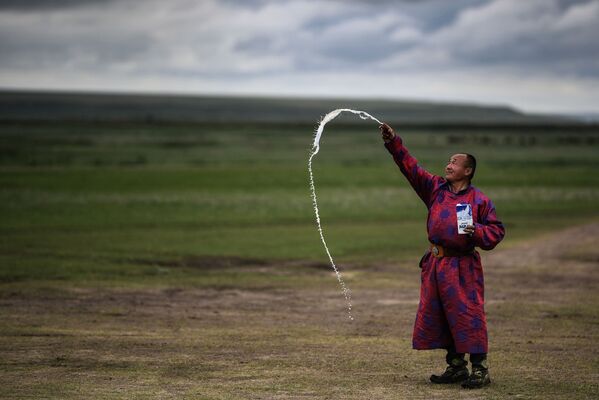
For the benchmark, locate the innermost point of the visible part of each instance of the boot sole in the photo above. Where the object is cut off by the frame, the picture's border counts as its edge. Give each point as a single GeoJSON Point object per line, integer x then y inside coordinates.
{"type": "Point", "coordinates": [453, 381]}
{"type": "Point", "coordinates": [485, 383]}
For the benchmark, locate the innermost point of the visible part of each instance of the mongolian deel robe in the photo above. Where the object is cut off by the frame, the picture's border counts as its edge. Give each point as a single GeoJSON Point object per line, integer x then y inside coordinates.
{"type": "Point", "coordinates": [451, 309]}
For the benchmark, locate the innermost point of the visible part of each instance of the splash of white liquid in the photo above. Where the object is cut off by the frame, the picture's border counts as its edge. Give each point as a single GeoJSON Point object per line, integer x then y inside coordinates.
{"type": "Point", "coordinates": [315, 148]}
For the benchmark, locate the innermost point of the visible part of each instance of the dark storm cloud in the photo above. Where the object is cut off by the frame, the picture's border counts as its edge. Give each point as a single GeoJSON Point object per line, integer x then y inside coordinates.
{"type": "Point", "coordinates": [538, 36]}
{"type": "Point", "coordinates": [352, 35]}
{"type": "Point", "coordinates": [532, 35]}
{"type": "Point", "coordinates": [291, 42]}
{"type": "Point", "coordinates": [87, 51]}
{"type": "Point", "coordinates": [429, 14]}
{"type": "Point", "coordinates": [35, 41]}
{"type": "Point", "coordinates": [343, 34]}
{"type": "Point", "coordinates": [564, 4]}
{"type": "Point", "coordinates": [568, 54]}
{"type": "Point", "coordinates": [434, 14]}
{"type": "Point", "coordinates": [37, 5]}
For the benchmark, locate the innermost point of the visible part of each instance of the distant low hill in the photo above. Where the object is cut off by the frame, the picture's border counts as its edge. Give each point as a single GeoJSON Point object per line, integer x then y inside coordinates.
{"type": "Point", "coordinates": [58, 106]}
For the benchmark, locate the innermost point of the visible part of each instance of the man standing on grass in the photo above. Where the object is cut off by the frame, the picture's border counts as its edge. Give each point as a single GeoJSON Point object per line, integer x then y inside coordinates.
{"type": "Point", "coordinates": [451, 312]}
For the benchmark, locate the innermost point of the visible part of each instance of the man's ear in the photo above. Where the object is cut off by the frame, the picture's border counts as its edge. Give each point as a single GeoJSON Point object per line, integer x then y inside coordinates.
{"type": "Point", "coordinates": [468, 171]}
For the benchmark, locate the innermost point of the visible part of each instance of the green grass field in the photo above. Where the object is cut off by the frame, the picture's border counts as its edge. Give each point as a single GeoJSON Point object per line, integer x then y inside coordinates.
{"type": "Point", "coordinates": [165, 219]}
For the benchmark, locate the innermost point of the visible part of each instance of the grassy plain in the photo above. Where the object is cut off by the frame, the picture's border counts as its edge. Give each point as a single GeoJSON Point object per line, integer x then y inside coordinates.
{"type": "Point", "coordinates": [182, 260]}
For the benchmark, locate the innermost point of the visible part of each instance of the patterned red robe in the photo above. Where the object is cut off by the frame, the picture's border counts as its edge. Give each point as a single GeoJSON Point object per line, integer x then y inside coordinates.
{"type": "Point", "coordinates": [451, 309]}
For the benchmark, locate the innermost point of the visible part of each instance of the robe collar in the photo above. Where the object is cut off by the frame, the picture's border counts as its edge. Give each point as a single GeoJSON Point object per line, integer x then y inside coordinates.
{"type": "Point", "coordinates": [463, 191]}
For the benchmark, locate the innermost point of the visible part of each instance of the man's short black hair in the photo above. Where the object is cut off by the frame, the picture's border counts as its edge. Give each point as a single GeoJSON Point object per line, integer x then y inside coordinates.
{"type": "Point", "coordinates": [471, 163]}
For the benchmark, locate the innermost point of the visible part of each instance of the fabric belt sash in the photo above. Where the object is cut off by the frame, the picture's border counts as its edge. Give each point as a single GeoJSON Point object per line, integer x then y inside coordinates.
{"type": "Point", "coordinates": [440, 251]}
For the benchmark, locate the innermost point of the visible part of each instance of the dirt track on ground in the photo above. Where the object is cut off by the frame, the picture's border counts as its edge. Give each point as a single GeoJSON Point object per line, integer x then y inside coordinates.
{"type": "Point", "coordinates": [281, 343]}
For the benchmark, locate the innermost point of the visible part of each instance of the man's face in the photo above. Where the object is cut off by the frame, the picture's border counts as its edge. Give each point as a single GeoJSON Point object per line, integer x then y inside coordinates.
{"type": "Point", "coordinates": [456, 169]}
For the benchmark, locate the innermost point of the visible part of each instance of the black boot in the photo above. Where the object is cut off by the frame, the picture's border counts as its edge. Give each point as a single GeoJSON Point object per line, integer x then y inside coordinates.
{"type": "Point", "coordinates": [480, 372]}
{"type": "Point", "coordinates": [457, 371]}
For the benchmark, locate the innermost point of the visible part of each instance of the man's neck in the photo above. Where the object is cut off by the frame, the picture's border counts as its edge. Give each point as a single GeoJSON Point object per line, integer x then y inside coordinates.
{"type": "Point", "coordinates": [458, 186]}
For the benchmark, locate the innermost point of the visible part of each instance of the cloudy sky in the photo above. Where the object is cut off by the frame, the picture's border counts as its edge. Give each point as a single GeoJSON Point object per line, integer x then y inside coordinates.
{"type": "Point", "coordinates": [537, 55]}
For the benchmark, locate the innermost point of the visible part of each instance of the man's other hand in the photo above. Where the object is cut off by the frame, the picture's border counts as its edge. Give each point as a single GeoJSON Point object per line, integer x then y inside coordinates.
{"type": "Point", "coordinates": [469, 229]}
{"type": "Point", "coordinates": [387, 132]}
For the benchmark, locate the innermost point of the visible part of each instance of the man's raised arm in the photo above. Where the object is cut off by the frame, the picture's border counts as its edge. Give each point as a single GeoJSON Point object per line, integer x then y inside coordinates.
{"type": "Point", "coordinates": [421, 180]}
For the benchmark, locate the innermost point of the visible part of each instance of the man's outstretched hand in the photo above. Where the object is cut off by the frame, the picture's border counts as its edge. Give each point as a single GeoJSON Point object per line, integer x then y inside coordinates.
{"type": "Point", "coordinates": [387, 132]}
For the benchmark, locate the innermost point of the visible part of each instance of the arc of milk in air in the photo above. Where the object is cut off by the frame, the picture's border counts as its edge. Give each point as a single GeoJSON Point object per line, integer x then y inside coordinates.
{"type": "Point", "coordinates": [315, 148]}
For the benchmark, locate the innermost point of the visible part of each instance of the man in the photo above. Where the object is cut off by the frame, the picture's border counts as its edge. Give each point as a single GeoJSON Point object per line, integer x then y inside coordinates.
{"type": "Point", "coordinates": [451, 311]}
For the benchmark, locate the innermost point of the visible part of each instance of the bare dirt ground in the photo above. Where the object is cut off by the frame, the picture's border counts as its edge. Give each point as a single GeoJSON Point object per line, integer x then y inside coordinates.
{"type": "Point", "coordinates": [270, 343]}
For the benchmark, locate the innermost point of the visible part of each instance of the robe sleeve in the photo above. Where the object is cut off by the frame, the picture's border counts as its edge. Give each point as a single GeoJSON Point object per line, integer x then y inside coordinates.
{"type": "Point", "coordinates": [420, 179]}
{"type": "Point", "coordinates": [489, 231]}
